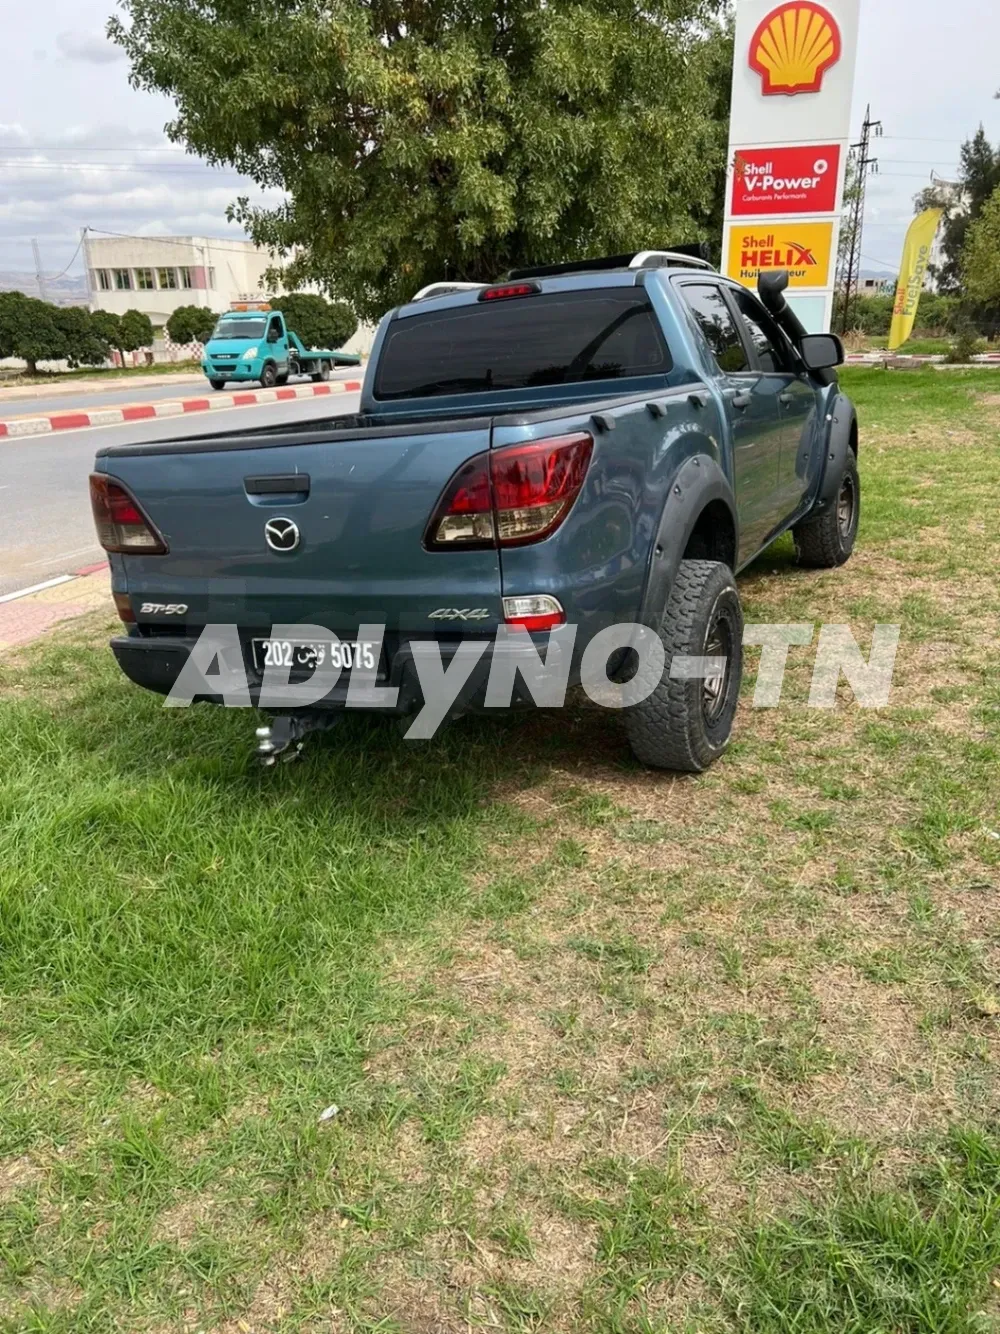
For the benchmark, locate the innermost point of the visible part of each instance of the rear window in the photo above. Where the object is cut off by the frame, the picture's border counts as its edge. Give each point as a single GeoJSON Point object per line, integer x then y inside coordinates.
{"type": "Point", "coordinates": [523, 343]}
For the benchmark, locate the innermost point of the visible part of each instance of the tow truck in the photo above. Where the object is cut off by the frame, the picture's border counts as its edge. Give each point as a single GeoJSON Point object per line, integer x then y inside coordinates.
{"type": "Point", "coordinates": [252, 341]}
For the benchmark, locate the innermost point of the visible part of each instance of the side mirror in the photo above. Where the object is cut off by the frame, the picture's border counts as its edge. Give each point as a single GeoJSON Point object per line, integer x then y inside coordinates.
{"type": "Point", "coordinates": [273, 335]}
{"type": "Point", "coordinates": [821, 352]}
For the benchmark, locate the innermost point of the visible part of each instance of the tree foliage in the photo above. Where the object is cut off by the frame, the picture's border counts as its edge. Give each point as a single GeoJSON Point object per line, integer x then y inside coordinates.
{"type": "Point", "coordinates": [981, 256]}
{"type": "Point", "coordinates": [319, 323]}
{"type": "Point", "coordinates": [978, 178]}
{"type": "Point", "coordinates": [37, 331]}
{"type": "Point", "coordinates": [191, 324]}
{"type": "Point", "coordinates": [136, 331]}
{"type": "Point", "coordinates": [417, 142]}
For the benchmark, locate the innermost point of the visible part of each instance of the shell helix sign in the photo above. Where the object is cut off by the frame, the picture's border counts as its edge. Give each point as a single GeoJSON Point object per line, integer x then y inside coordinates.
{"type": "Point", "coordinates": [793, 47]}
{"type": "Point", "coordinates": [804, 249]}
{"type": "Point", "coordinates": [790, 127]}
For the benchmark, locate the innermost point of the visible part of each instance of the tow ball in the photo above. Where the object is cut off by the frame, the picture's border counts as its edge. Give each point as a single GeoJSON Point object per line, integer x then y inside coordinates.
{"type": "Point", "coordinates": [285, 739]}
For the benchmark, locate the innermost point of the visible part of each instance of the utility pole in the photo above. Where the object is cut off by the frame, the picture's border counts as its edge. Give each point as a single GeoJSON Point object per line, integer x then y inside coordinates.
{"type": "Point", "coordinates": [849, 260]}
{"type": "Point", "coordinates": [39, 276]}
{"type": "Point", "coordinates": [86, 266]}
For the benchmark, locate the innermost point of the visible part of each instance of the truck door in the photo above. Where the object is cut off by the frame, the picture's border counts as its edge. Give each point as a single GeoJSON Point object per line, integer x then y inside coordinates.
{"type": "Point", "coordinates": [752, 410]}
{"type": "Point", "coordinates": [796, 397]}
{"type": "Point", "coordinates": [277, 342]}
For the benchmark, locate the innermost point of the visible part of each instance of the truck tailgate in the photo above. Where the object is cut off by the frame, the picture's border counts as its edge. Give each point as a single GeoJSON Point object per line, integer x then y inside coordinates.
{"type": "Point", "coordinates": [362, 505]}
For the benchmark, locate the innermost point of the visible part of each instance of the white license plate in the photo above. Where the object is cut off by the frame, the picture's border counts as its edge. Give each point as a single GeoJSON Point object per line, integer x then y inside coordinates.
{"type": "Point", "coordinates": [308, 655]}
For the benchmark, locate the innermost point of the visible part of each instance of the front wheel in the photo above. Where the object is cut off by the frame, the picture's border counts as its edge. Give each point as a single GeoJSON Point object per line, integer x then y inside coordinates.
{"type": "Point", "coordinates": [686, 721]}
{"type": "Point", "coordinates": [217, 384]}
{"type": "Point", "coordinates": [268, 376]}
{"type": "Point", "coordinates": [323, 373]}
{"type": "Point", "coordinates": [827, 539]}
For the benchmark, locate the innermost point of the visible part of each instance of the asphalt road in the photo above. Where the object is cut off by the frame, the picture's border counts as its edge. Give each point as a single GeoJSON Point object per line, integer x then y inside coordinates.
{"type": "Point", "coordinates": [137, 393]}
{"type": "Point", "coordinates": [46, 526]}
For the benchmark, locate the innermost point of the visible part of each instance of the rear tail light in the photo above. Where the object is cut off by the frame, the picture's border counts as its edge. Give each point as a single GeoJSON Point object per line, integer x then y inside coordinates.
{"type": "Point", "coordinates": [507, 290]}
{"type": "Point", "coordinates": [510, 497]}
{"type": "Point", "coordinates": [121, 524]}
{"type": "Point", "coordinates": [537, 612]}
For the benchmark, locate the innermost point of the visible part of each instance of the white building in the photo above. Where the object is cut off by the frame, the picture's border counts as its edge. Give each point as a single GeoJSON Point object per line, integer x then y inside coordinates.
{"type": "Point", "coordinates": [156, 274]}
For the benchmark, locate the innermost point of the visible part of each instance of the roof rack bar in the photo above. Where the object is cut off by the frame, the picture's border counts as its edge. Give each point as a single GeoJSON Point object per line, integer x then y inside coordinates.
{"type": "Point", "coordinates": [445, 289]}
{"type": "Point", "coordinates": [683, 256]}
{"type": "Point", "coordinates": [667, 259]}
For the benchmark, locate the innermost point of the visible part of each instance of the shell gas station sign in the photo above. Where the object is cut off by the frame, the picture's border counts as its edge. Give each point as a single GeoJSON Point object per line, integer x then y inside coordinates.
{"type": "Point", "coordinates": [793, 79]}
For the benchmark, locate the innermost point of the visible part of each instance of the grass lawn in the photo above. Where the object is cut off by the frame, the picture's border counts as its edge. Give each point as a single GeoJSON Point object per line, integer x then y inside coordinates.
{"type": "Point", "coordinates": [611, 1051]}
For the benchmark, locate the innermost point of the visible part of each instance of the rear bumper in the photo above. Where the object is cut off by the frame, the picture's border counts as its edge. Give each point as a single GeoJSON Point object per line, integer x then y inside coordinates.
{"type": "Point", "coordinates": [156, 663]}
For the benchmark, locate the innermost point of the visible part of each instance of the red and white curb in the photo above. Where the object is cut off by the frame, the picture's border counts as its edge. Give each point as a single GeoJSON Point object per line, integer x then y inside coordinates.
{"type": "Point", "coordinates": [16, 427]}
{"type": "Point", "coordinates": [54, 583]}
{"type": "Point", "coordinates": [29, 613]}
{"type": "Point", "coordinates": [918, 359]}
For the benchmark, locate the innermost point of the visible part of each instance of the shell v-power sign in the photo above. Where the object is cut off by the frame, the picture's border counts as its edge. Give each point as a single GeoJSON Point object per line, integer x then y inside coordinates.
{"type": "Point", "coordinates": [793, 79]}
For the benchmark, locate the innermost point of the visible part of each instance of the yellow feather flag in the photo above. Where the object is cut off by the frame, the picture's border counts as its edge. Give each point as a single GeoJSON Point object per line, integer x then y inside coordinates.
{"type": "Point", "coordinates": [916, 254]}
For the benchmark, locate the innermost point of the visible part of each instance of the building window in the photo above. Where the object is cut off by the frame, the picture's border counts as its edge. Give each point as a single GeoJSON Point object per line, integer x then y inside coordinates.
{"type": "Point", "coordinates": [102, 280]}
{"type": "Point", "coordinates": [211, 279]}
{"type": "Point", "coordinates": [144, 280]}
{"type": "Point", "coordinates": [167, 278]}
{"type": "Point", "coordinates": [186, 279]}
{"type": "Point", "coordinates": [123, 280]}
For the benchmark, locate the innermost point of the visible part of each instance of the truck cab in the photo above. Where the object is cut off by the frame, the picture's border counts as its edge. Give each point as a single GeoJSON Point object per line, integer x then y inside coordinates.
{"type": "Point", "coordinates": [249, 342]}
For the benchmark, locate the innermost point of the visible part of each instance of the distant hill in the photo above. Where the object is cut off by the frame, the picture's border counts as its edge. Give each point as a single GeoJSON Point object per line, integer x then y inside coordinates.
{"type": "Point", "coordinates": [70, 290]}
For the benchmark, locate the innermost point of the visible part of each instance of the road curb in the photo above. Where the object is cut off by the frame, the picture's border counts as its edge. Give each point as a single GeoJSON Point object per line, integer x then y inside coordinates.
{"type": "Point", "coordinates": [15, 428]}
{"type": "Point", "coordinates": [30, 613]}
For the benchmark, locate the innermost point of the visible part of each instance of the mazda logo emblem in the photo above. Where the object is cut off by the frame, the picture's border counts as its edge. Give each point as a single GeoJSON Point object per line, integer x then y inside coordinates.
{"type": "Point", "coordinates": [281, 534]}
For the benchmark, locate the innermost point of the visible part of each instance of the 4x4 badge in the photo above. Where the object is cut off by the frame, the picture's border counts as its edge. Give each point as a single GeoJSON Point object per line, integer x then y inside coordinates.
{"type": "Point", "coordinates": [460, 614]}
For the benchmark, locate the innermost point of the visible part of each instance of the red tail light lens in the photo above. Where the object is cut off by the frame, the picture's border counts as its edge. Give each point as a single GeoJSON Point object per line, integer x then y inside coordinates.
{"type": "Point", "coordinates": [121, 524]}
{"type": "Point", "coordinates": [510, 497]}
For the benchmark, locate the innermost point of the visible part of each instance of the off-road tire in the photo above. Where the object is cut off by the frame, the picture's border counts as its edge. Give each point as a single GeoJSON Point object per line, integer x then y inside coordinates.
{"type": "Point", "coordinates": [827, 539]}
{"type": "Point", "coordinates": [217, 384]}
{"type": "Point", "coordinates": [268, 376]}
{"type": "Point", "coordinates": [673, 727]}
{"type": "Point", "coordinates": [323, 373]}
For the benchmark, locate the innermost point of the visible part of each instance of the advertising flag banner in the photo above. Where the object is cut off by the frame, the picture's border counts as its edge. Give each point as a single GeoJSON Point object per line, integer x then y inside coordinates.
{"type": "Point", "coordinates": [916, 255]}
{"type": "Point", "coordinates": [769, 181]}
{"type": "Point", "coordinates": [803, 248]}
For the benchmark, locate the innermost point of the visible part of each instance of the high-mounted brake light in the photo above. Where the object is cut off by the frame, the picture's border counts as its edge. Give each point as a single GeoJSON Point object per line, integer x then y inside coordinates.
{"type": "Point", "coordinates": [121, 524]}
{"type": "Point", "coordinates": [510, 497]}
{"type": "Point", "coordinates": [508, 290]}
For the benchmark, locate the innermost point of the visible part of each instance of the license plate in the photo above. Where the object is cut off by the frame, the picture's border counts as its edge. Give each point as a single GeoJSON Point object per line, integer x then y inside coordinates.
{"type": "Point", "coordinates": [308, 655]}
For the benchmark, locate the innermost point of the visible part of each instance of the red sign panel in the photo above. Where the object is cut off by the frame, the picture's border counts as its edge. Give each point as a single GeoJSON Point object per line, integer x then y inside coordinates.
{"type": "Point", "coordinates": [772, 181]}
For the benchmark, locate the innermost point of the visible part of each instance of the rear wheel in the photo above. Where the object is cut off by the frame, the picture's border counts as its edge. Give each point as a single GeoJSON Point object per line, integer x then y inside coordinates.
{"type": "Point", "coordinates": [268, 375]}
{"type": "Point", "coordinates": [217, 384]}
{"type": "Point", "coordinates": [685, 724]}
{"type": "Point", "coordinates": [323, 373]}
{"type": "Point", "coordinates": [827, 539]}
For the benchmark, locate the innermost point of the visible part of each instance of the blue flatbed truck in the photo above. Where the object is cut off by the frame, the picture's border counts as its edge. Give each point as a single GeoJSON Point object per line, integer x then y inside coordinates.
{"type": "Point", "coordinates": [588, 445]}
{"type": "Point", "coordinates": [252, 342]}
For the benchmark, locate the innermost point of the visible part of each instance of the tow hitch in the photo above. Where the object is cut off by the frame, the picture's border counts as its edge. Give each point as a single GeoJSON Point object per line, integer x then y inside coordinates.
{"type": "Point", "coordinates": [285, 738]}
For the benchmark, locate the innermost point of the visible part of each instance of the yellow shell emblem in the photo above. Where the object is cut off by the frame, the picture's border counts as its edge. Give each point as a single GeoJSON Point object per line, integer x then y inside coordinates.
{"type": "Point", "coordinates": [793, 48]}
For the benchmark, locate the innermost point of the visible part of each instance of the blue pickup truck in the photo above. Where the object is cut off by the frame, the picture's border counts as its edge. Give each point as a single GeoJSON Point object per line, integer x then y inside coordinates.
{"type": "Point", "coordinates": [590, 444]}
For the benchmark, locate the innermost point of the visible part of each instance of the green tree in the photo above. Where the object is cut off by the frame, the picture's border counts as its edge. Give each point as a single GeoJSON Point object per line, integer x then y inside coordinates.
{"type": "Point", "coordinates": [83, 344]}
{"type": "Point", "coordinates": [978, 178]}
{"type": "Point", "coordinates": [191, 324]}
{"type": "Point", "coordinates": [107, 327]}
{"type": "Point", "coordinates": [136, 331]}
{"type": "Point", "coordinates": [981, 256]}
{"type": "Point", "coordinates": [319, 323]}
{"type": "Point", "coordinates": [424, 141]}
{"type": "Point", "coordinates": [29, 330]}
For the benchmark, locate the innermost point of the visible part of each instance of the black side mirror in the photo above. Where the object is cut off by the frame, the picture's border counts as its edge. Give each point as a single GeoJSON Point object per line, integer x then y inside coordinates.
{"type": "Point", "coordinates": [821, 352]}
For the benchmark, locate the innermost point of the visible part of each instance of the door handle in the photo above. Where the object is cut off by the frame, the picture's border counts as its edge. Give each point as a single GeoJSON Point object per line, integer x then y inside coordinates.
{"type": "Point", "coordinates": [786, 396]}
{"type": "Point", "coordinates": [741, 401]}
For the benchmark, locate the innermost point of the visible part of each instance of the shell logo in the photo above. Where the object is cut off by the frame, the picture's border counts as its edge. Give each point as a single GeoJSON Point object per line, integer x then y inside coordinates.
{"type": "Point", "coordinates": [793, 48]}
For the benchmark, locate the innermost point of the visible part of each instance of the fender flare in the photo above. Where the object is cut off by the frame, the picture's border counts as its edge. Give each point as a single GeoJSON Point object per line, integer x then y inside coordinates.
{"type": "Point", "coordinates": [843, 431]}
{"type": "Point", "coordinates": [697, 482]}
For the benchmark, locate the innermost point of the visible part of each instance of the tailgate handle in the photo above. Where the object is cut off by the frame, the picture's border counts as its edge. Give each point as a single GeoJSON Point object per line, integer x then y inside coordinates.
{"type": "Point", "coordinates": [284, 485]}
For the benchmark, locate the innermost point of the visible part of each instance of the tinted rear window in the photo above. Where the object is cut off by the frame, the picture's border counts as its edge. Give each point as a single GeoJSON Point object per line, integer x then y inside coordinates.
{"type": "Point", "coordinates": [523, 343]}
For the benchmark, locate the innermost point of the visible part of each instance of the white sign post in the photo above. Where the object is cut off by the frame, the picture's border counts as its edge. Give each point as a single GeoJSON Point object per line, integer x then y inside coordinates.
{"type": "Point", "coordinates": [793, 80]}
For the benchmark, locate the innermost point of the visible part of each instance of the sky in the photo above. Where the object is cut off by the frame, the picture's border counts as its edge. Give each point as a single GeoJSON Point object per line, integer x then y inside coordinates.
{"type": "Point", "coordinates": [79, 147]}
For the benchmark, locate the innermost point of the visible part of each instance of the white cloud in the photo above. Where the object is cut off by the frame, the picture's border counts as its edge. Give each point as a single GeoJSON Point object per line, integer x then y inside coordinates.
{"type": "Point", "coordinates": [91, 47]}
